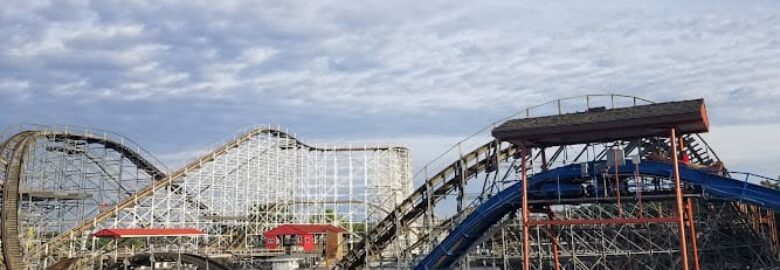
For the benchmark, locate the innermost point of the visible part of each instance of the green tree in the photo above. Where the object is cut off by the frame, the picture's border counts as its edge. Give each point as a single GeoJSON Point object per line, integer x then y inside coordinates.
{"type": "Point", "coordinates": [262, 212]}
{"type": "Point", "coordinates": [329, 217]}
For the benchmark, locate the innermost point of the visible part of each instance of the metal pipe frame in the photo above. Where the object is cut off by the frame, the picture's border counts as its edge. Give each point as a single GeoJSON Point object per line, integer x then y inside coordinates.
{"type": "Point", "coordinates": [678, 198]}
{"type": "Point", "coordinates": [727, 239]}
{"type": "Point", "coordinates": [692, 227]}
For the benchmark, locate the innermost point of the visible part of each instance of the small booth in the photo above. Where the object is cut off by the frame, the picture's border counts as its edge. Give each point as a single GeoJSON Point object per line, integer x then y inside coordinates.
{"type": "Point", "coordinates": [307, 238]}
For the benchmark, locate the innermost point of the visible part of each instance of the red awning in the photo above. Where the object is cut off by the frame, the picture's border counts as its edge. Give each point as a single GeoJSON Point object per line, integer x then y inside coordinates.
{"type": "Point", "coordinates": [301, 229]}
{"type": "Point", "coordinates": [148, 232]}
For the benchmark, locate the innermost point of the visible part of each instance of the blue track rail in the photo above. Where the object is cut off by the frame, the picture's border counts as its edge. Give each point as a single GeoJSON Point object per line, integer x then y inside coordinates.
{"type": "Point", "coordinates": [460, 240]}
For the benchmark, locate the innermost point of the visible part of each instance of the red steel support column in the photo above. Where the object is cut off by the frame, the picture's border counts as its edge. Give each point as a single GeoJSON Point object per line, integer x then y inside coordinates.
{"type": "Point", "coordinates": [679, 198]}
{"type": "Point", "coordinates": [553, 239]}
{"type": "Point", "coordinates": [524, 210]}
{"type": "Point", "coordinates": [691, 224]}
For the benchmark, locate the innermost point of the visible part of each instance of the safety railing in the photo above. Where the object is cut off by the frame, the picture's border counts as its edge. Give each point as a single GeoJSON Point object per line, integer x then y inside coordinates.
{"type": "Point", "coordinates": [555, 107]}
{"type": "Point", "coordinates": [107, 135]}
{"type": "Point", "coordinates": [756, 179]}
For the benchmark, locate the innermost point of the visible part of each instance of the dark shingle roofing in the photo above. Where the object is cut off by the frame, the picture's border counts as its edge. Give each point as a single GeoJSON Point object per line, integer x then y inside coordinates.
{"type": "Point", "coordinates": [605, 125]}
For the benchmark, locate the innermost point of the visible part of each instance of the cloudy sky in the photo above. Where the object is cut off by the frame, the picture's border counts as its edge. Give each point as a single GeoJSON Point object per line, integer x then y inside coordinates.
{"type": "Point", "coordinates": [177, 76]}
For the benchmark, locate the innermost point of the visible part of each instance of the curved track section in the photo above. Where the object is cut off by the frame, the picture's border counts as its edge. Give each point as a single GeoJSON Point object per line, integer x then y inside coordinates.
{"type": "Point", "coordinates": [484, 158]}
{"type": "Point", "coordinates": [12, 247]}
{"type": "Point", "coordinates": [468, 232]}
{"type": "Point", "coordinates": [16, 149]}
{"type": "Point", "coordinates": [194, 195]}
{"type": "Point", "coordinates": [491, 160]}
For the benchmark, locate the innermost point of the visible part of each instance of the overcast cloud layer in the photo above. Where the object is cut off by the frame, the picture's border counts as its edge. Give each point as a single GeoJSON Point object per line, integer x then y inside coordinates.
{"type": "Point", "coordinates": [178, 75]}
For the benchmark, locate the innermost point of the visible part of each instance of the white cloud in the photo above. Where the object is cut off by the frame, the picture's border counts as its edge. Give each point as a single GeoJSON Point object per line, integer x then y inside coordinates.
{"type": "Point", "coordinates": [748, 148]}
{"type": "Point", "coordinates": [255, 56]}
{"type": "Point", "coordinates": [401, 57]}
{"type": "Point", "coordinates": [397, 60]}
{"type": "Point", "coordinates": [15, 90]}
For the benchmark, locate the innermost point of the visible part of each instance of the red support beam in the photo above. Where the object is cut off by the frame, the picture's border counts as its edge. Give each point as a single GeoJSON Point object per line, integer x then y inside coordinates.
{"type": "Point", "coordinates": [678, 199]}
{"type": "Point", "coordinates": [692, 225]}
{"type": "Point", "coordinates": [553, 239]}
{"type": "Point", "coordinates": [604, 221]}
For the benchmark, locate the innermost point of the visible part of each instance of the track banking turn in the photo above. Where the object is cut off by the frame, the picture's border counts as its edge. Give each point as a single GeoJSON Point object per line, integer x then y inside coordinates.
{"type": "Point", "coordinates": [473, 227]}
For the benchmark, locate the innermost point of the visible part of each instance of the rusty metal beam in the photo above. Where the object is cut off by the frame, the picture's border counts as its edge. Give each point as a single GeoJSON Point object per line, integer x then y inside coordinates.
{"type": "Point", "coordinates": [678, 198]}
{"type": "Point", "coordinates": [604, 221]}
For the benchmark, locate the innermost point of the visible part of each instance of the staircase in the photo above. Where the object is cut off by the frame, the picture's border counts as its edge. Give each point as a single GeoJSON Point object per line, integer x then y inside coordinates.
{"type": "Point", "coordinates": [697, 150]}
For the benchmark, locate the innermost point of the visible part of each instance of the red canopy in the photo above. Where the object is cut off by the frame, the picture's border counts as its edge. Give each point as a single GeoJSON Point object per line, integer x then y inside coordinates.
{"type": "Point", "coordinates": [300, 229]}
{"type": "Point", "coordinates": [148, 232]}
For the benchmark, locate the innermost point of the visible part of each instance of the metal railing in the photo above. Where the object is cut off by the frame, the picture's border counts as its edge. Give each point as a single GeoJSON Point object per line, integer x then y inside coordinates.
{"type": "Point", "coordinates": [11, 130]}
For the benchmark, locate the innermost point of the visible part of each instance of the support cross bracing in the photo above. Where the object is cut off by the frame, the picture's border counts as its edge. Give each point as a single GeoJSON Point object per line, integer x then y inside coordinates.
{"type": "Point", "coordinates": [258, 180]}
{"type": "Point", "coordinates": [694, 147]}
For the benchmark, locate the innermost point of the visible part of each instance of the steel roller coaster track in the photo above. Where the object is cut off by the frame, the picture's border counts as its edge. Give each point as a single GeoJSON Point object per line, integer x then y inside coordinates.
{"type": "Point", "coordinates": [485, 159]}
{"type": "Point", "coordinates": [476, 225]}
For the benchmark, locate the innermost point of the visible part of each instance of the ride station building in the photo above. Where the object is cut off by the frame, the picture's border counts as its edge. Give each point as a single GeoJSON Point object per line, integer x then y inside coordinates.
{"type": "Point", "coordinates": [305, 237]}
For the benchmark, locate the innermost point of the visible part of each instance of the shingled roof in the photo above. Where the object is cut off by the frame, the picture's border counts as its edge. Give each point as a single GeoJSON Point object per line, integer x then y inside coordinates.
{"type": "Point", "coordinates": [689, 116]}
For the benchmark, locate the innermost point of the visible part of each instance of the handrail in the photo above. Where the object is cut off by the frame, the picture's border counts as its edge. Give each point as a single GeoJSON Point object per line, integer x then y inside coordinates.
{"type": "Point", "coordinates": [87, 132]}
{"type": "Point", "coordinates": [772, 182]}
{"type": "Point", "coordinates": [527, 111]}
{"type": "Point", "coordinates": [407, 206]}
{"type": "Point", "coordinates": [299, 141]}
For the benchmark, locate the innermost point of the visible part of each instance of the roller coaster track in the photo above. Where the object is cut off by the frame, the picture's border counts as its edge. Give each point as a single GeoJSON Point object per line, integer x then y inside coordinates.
{"type": "Point", "coordinates": [12, 248]}
{"type": "Point", "coordinates": [468, 232]}
{"type": "Point", "coordinates": [453, 177]}
{"type": "Point", "coordinates": [18, 145]}
{"type": "Point", "coordinates": [14, 150]}
{"type": "Point", "coordinates": [483, 159]}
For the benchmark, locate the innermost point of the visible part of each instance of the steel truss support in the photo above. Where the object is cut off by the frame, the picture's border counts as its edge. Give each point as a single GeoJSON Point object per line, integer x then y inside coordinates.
{"type": "Point", "coordinates": [726, 238]}
{"type": "Point", "coordinates": [678, 198]}
{"type": "Point", "coordinates": [692, 227]}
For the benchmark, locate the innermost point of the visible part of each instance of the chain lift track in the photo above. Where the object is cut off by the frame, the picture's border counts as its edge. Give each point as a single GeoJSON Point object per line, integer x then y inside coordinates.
{"type": "Point", "coordinates": [189, 196]}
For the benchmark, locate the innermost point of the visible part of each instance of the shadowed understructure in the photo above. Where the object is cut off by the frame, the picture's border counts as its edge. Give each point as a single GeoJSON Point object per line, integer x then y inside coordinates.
{"type": "Point", "coordinates": [598, 217]}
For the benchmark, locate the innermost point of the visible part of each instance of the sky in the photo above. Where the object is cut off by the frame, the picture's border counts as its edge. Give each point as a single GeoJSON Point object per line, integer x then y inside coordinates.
{"type": "Point", "coordinates": [179, 76]}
